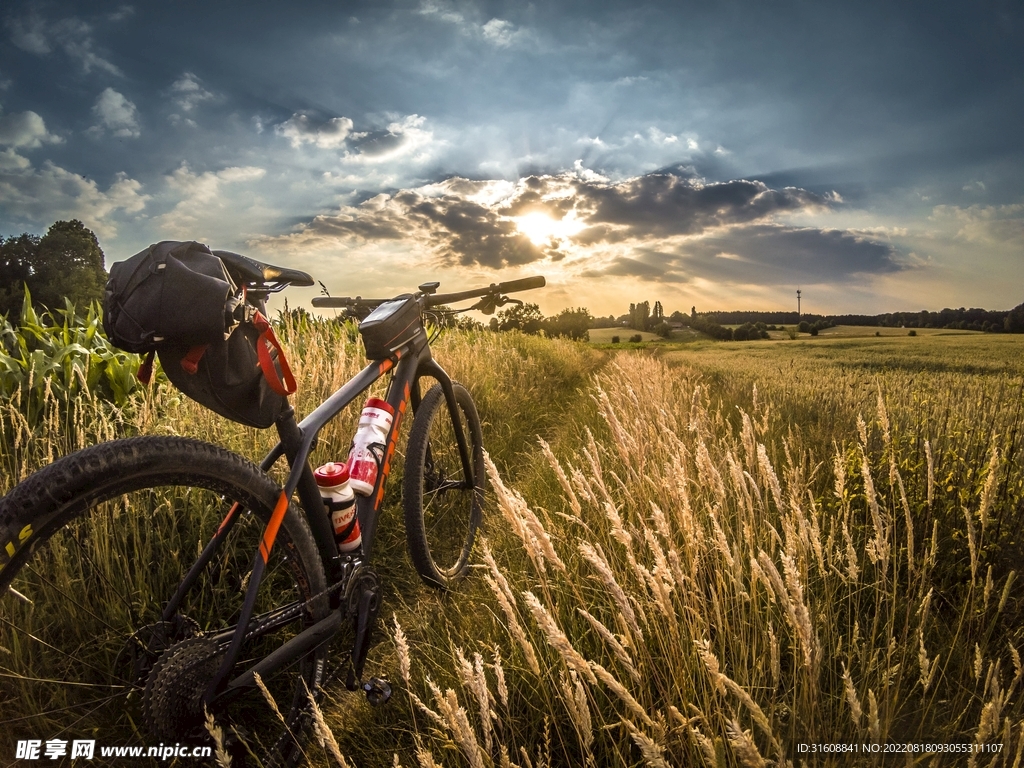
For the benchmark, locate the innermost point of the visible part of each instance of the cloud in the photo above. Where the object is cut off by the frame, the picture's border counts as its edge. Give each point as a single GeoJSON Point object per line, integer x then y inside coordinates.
{"type": "Point", "coordinates": [43, 195]}
{"type": "Point", "coordinates": [771, 254]}
{"type": "Point", "coordinates": [122, 13]}
{"type": "Point", "coordinates": [73, 36]}
{"type": "Point", "coordinates": [455, 219]}
{"type": "Point", "coordinates": [761, 254]}
{"type": "Point", "coordinates": [189, 93]}
{"type": "Point", "coordinates": [25, 130]}
{"type": "Point", "coordinates": [501, 33]}
{"type": "Point", "coordinates": [29, 34]}
{"type": "Point", "coordinates": [116, 114]}
{"type": "Point", "coordinates": [202, 196]}
{"type": "Point", "coordinates": [12, 161]}
{"type": "Point", "coordinates": [400, 139]}
{"type": "Point", "coordinates": [663, 205]}
{"type": "Point", "coordinates": [645, 265]}
{"type": "Point", "coordinates": [984, 224]}
{"type": "Point", "coordinates": [302, 129]}
{"type": "Point", "coordinates": [498, 32]}
{"type": "Point", "coordinates": [661, 227]}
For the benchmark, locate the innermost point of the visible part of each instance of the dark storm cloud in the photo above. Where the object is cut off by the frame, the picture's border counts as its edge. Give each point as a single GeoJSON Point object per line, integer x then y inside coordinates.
{"type": "Point", "coordinates": [463, 230]}
{"type": "Point", "coordinates": [762, 254]}
{"type": "Point", "coordinates": [458, 230]}
{"type": "Point", "coordinates": [466, 232]}
{"type": "Point", "coordinates": [661, 205]}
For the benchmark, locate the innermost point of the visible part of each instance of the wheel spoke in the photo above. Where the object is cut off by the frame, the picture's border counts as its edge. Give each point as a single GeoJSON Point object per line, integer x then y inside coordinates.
{"type": "Point", "coordinates": [84, 647]}
{"type": "Point", "coordinates": [53, 648]}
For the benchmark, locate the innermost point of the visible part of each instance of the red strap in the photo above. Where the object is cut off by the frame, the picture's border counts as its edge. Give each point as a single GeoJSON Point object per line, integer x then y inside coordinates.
{"type": "Point", "coordinates": [145, 372]}
{"type": "Point", "coordinates": [190, 362]}
{"type": "Point", "coordinates": [285, 383]}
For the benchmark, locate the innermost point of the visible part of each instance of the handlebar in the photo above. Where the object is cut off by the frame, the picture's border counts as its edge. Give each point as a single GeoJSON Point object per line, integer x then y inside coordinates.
{"type": "Point", "coordinates": [495, 289]}
{"type": "Point", "coordinates": [512, 286]}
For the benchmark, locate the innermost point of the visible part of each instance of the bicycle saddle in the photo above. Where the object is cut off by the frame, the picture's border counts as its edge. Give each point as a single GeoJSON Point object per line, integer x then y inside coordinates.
{"type": "Point", "coordinates": [247, 270]}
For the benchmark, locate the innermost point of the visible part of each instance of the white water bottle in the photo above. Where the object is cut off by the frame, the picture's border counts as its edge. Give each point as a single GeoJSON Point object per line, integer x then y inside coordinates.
{"type": "Point", "coordinates": [367, 454]}
{"type": "Point", "coordinates": [340, 503]}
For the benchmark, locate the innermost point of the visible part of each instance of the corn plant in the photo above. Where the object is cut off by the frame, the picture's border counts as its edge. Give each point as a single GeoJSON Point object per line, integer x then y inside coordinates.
{"type": "Point", "coordinates": [60, 352]}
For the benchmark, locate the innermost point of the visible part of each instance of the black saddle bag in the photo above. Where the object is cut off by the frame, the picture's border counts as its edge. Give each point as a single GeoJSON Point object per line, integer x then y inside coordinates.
{"type": "Point", "coordinates": [176, 299]}
{"type": "Point", "coordinates": [172, 291]}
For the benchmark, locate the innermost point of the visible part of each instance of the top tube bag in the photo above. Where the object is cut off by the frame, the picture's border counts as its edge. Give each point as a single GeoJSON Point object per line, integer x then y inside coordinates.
{"type": "Point", "coordinates": [177, 299]}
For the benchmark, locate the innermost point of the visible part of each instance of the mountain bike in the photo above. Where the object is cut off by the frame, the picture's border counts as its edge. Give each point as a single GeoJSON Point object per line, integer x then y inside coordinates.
{"type": "Point", "coordinates": [229, 629]}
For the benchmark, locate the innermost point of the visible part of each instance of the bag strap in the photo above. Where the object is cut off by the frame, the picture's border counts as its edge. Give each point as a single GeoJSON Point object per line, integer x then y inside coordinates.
{"type": "Point", "coordinates": [190, 362]}
{"type": "Point", "coordinates": [145, 372]}
{"type": "Point", "coordinates": [285, 383]}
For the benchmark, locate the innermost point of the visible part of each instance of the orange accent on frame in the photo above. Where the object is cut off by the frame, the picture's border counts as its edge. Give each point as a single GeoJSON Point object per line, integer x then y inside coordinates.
{"type": "Point", "coordinates": [392, 443]}
{"type": "Point", "coordinates": [275, 523]}
{"type": "Point", "coordinates": [227, 518]}
{"type": "Point", "coordinates": [385, 366]}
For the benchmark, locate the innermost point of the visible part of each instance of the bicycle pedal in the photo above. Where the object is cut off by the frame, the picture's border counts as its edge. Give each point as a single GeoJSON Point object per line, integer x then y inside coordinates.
{"type": "Point", "coordinates": [377, 691]}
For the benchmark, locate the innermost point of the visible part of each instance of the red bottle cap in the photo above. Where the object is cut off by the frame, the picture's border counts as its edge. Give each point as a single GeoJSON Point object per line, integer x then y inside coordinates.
{"type": "Point", "coordinates": [331, 474]}
{"type": "Point", "coordinates": [376, 402]}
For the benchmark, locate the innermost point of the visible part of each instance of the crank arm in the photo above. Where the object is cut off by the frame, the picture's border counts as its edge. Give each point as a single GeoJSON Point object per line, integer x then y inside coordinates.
{"type": "Point", "coordinates": [366, 614]}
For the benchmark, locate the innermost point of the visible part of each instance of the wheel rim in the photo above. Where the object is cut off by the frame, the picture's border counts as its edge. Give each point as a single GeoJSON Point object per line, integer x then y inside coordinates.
{"type": "Point", "coordinates": [451, 505]}
{"type": "Point", "coordinates": [83, 631]}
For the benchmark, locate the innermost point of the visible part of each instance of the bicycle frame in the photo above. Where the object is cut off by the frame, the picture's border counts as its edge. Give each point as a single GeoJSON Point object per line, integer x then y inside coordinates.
{"type": "Point", "coordinates": [297, 440]}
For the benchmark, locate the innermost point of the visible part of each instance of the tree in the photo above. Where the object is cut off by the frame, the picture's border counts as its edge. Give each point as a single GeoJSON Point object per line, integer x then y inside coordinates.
{"type": "Point", "coordinates": [572, 323]}
{"type": "Point", "coordinates": [1014, 320]}
{"type": "Point", "coordinates": [521, 317]}
{"type": "Point", "coordinates": [17, 257]}
{"type": "Point", "coordinates": [640, 315]}
{"type": "Point", "coordinates": [66, 263]}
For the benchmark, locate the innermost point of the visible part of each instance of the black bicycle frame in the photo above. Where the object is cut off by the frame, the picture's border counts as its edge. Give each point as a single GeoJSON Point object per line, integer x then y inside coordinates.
{"type": "Point", "coordinates": [297, 441]}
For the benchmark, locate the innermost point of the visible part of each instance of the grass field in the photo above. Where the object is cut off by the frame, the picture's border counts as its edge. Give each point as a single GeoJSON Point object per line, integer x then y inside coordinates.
{"type": "Point", "coordinates": [604, 336]}
{"type": "Point", "coordinates": [714, 553]}
{"type": "Point", "coordinates": [601, 336]}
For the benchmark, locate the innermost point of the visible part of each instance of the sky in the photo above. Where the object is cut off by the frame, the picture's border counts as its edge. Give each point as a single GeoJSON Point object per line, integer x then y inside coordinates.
{"type": "Point", "coordinates": [716, 155]}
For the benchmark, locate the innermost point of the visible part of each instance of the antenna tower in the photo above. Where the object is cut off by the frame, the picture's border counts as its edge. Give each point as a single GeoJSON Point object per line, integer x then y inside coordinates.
{"type": "Point", "coordinates": [797, 303]}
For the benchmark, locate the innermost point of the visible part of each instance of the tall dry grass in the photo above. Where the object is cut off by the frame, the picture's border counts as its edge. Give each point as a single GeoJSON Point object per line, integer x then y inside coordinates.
{"type": "Point", "coordinates": [701, 584]}
{"type": "Point", "coordinates": [708, 562]}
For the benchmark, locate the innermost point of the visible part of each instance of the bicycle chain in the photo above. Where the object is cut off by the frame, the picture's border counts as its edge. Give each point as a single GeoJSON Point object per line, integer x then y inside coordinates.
{"type": "Point", "coordinates": [296, 611]}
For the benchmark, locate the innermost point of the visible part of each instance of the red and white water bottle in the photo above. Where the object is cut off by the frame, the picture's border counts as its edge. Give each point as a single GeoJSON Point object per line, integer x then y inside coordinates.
{"type": "Point", "coordinates": [367, 454]}
{"type": "Point", "coordinates": [341, 505]}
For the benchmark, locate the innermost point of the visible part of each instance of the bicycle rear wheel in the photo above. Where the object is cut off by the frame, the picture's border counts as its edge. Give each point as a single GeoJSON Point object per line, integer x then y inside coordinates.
{"type": "Point", "coordinates": [443, 507]}
{"type": "Point", "coordinates": [91, 550]}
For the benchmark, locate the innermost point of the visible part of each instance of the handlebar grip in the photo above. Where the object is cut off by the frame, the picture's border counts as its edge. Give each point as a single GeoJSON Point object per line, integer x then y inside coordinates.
{"type": "Point", "coordinates": [526, 284]}
{"type": "Point", "coordinates": [332, 301]}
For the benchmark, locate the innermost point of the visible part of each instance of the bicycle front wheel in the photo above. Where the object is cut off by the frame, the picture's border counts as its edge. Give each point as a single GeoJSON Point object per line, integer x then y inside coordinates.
{"type": "Point", "coordinates": [443, 507]}
{"type": "Point", "coordinates": [91, 550]}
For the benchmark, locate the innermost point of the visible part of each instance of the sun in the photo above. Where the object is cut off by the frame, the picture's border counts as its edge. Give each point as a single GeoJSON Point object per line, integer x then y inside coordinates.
{"type": "Point", "coordinates": [541, 228]}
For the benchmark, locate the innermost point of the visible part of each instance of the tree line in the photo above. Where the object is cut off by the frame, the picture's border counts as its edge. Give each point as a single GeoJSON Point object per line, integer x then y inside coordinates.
{"type": "Point", "coordinates": [973, 319]}
{"type": "Point", "coordinates": [572, 323]}
{"type": "Point", "coordinates": [64, 264]}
